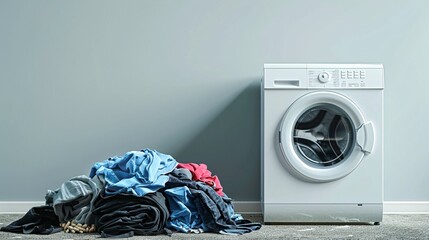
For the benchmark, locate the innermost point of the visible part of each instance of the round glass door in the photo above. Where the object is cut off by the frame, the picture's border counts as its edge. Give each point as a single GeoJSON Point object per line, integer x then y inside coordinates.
{"type": "Point", "coordinates": [323, 137]}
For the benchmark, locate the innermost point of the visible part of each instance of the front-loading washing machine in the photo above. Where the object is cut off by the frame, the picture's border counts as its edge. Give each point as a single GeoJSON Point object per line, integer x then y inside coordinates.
{"type": "Point", "coordinates": [322, 142]}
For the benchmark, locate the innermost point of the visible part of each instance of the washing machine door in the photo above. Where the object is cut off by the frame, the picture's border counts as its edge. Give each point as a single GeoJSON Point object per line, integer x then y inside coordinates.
{"type": "Point", "coordinates": [323, 137]}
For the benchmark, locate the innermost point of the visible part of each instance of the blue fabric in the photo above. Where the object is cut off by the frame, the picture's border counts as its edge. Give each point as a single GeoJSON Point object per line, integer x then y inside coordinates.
{"type": "Point", "coordinates": [231, 212]}
{"type": "Point", "coordinates": [137, 172]}
{"type": "Point", "coordinates": [213, 210]}
{"type": "Point", "coordinates": [184, 215]}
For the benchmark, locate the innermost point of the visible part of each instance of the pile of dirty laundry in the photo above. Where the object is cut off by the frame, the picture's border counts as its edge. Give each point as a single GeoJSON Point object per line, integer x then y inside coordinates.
{"type": "Point", "coordinates": [140, 193]}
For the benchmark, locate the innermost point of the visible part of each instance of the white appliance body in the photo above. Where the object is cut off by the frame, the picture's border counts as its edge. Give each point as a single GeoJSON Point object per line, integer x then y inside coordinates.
{"type": "Point", "coordinates": [322, 142]}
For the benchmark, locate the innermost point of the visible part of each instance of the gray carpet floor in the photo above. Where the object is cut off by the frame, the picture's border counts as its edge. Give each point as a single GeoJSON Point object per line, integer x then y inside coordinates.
{"type": "Point", "coordinates": [392, 227]}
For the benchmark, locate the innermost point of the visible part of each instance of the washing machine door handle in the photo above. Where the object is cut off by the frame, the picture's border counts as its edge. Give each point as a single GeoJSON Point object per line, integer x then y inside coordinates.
{"type": "Point", "coordinates": [365, 137]}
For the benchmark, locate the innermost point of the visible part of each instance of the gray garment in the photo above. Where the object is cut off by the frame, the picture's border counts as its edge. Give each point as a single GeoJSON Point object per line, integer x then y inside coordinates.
{"type": "Point", "coordinates": [182, 173]}
{"type": "Point", "coordinates": [74, 199]}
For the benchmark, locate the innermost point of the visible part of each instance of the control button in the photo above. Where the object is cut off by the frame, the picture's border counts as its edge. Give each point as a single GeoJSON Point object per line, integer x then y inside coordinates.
{"type": "Point", "coordinates": [355, 74]}
{"type": "Point", "coordinates": [362, 75]}
{"type": "Point", "coordinates": [324, 77]}
{"type": "Point", "coordinates": [349, 74]}
{"type": "Point", "coordinates": [343, 75]}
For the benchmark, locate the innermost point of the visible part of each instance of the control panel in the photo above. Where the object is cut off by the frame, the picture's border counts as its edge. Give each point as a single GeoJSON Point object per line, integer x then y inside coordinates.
{"type": "Point", "coordinates": [337, 78]}
{"type": "Point", "coordinates": [323, 76]}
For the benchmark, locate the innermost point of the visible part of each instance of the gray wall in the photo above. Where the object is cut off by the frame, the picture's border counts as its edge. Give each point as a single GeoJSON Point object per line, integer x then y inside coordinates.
{"type": "Point", "coordinates": [85, 80]}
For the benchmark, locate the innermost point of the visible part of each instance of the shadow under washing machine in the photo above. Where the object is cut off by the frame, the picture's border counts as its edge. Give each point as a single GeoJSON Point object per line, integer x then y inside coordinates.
{"type": "Point", "coordinates": [322, 143]}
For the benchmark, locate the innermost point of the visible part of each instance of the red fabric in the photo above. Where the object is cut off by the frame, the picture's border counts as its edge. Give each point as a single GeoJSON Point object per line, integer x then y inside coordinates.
{"type": "Point", "coordinates": [202, 174]}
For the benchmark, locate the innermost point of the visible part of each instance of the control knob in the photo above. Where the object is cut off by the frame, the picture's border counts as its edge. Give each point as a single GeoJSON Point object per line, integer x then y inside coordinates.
{"type": "Point", "coordinates": [324, 77]}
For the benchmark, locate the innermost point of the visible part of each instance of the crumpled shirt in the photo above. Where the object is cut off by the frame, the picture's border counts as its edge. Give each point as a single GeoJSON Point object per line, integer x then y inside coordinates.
{"type": "Point", "coordinates": [126, 215]}
{"type": "Point", "coordinates": [137, 172]}
{"type": "Point", "coordinates": [184, 216]}
{"type": "Point", "coordinates": [38, 220]}
{"type": "Point", "coordinates": [202, 174]}
{"type": "Point", "coordinates": [73, 200]}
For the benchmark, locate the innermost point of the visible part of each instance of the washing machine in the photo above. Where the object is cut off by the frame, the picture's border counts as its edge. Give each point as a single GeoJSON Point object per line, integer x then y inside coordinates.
{"type": "Point", "coordinates": [322, 143]}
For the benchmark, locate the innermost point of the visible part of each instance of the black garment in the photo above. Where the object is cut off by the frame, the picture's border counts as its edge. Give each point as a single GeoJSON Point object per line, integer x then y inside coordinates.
{"type": "Point", "coordinates": [182, 173]}
{"type": "Point", "coordinates": [212, 208]}
{"type": "Point", "coordinates": [38, 220]}
{"type": "Point", "coordinates": [126, 215]}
